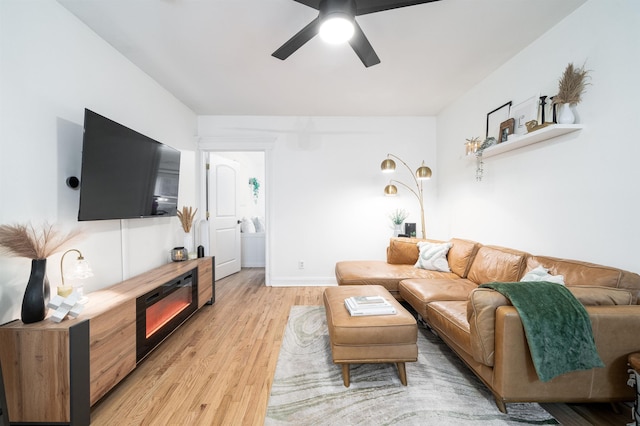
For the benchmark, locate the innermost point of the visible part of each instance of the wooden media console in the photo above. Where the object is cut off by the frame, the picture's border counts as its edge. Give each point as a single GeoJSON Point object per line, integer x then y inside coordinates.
{"type": "Point", "coordinates": [54, 372]}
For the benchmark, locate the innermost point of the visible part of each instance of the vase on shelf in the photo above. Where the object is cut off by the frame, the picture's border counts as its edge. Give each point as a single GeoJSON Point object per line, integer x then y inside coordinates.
{"type": "Point", "coordinates": [397, 229]}
{"type": "Point", "coordinates": [565, 114]}
{"type": "Point", "coordinates": [36, 294]}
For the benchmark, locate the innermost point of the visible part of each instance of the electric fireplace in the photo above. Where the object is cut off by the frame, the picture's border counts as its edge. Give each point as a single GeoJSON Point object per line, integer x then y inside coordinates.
{"type": "Point", "coordinates": [162, 310]}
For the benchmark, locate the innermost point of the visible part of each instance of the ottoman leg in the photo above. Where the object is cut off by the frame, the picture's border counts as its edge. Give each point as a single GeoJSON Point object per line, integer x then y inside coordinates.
{"type": "Point", "coordinates": [402, 372]}
{"type": "Point", "coordinates": [346, 375]}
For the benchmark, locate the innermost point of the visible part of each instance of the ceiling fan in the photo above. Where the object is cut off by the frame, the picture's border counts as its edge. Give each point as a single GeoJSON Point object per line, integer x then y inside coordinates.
{"type": "Point", "coordinates": [339, 16]}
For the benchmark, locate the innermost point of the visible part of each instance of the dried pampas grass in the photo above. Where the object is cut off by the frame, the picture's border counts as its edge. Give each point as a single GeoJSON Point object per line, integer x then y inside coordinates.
{"type": "Point", "coordinates": [186, 217]}
{"type": "Point", "coordinates": [572, 85]}
{"type": "Point", "coordinates": [27, 241]}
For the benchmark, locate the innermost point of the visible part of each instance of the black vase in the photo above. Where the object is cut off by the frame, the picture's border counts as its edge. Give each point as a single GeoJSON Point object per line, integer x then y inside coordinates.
{"type": "Point", "coordinates": [35, 296]}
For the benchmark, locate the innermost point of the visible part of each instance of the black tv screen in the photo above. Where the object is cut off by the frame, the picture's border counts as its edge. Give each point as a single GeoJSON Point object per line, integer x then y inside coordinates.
{"type": "Point", "coordinates": [125, 174]}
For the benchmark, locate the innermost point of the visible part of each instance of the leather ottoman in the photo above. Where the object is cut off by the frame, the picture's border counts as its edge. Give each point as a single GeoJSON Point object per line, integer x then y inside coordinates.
{"type": "Point", "coordinates": [369, 339]}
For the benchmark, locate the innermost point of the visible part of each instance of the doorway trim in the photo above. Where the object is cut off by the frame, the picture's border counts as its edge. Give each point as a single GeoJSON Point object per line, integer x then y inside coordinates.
{"type": "Point", "coordinates": [220, 144]}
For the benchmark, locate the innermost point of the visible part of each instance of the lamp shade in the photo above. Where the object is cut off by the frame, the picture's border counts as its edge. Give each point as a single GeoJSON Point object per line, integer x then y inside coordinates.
{"type": "Point", "coordinates": [390, 190]}
{"type": "Point", "coordinates": [336, 28]}
{"type": "Point", "coordinates": [423, 172]}
{"type": "Point", "coordinates": [388, 166]}
{"type": "Point", "coordinates": [81, 269]}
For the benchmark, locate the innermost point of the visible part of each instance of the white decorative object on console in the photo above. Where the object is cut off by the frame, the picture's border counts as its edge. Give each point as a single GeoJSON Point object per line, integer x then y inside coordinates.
{"type": "Point", "coordinates": [70, 305]}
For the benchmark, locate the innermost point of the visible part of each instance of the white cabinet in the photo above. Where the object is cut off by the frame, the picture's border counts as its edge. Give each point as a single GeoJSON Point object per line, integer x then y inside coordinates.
{"type": "Point", "coordinates": [253, 250]}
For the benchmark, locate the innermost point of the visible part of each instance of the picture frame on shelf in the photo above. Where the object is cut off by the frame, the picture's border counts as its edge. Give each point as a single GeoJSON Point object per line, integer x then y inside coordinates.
{"type": "Point", "coordinates": [495, 118]}
{"type": "Point", "coordinates": [524, 112]}
{"type": "Point", "coordinates": [506, 129]}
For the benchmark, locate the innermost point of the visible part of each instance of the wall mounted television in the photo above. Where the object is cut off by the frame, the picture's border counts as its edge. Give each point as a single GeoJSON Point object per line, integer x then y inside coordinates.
{"type": "Point", "coordinates": [125, 174]}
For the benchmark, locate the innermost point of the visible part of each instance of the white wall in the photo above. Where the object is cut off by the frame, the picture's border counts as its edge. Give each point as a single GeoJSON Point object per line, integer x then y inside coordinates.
{"type": "Point", "coordinates": [52, 67]}
{"type": "Point", "coordinates": [325, 198]}
{"type": "Point", "coordinates": [575, 196]}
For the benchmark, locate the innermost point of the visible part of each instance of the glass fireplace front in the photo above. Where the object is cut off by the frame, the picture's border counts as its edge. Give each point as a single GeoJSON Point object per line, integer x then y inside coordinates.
{"type": "Point", "coordinates": [163, 309]}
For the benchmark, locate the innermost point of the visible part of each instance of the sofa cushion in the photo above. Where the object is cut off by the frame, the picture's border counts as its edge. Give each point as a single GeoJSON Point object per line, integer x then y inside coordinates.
{"type": "Point", "coordinates": [450, 318]}
{"type": "Point", "coordinates": [593, 295]}
{"type": "Point", "coordinates": [576, 272]}
{"type": "Point", "coordinates": [403, 251]}
{"type": "Point", "coordinates": [497, 264]}
{"type": "Point", "coordinates": [461, 255]}
{"type": "Point", "coordinates": [379, 272]}
{"type": "Point", "coordinates": [433, 256]}
{"type": "Point", "coordinates": [420, 292]}
{"type": "Point", "coordinates": [583, 273]}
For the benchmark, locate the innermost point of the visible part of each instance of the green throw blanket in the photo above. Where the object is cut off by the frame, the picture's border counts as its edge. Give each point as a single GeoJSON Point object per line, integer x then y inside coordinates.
{"type": "Point", "coordinates": [557, 327]}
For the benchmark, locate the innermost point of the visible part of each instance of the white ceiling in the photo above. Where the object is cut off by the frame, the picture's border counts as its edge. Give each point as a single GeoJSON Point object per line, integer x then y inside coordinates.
{"type": "Point", "coordinates": [215, 55]}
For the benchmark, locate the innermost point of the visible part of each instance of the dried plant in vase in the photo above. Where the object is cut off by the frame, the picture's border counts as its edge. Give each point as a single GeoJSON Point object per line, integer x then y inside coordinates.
{"type": "Point", "coordinates": [571, 87]}
{"type": "Point", "coordinates": [36, 244]}
{"type": "Point", "coordinates": [186, 217]}
{"type": "Point", "coordinates": [27, 241]}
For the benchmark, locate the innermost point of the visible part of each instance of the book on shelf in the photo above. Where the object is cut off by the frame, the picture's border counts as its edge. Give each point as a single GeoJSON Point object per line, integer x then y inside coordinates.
{"type": "Point", "coordinates": [368, 305]}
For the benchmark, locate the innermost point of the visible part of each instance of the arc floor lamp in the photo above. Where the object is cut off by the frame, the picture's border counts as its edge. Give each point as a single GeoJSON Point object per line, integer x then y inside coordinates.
{"type": "Point", "coordinates": [421, 174]}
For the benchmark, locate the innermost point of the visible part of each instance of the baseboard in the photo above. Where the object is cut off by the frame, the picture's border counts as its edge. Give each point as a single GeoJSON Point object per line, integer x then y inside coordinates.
{"type": "Point", "coordinates": [302, 281]}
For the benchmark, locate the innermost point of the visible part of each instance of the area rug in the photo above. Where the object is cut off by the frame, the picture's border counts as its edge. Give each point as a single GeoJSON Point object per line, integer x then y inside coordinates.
{"type": "Point", "coordinates": [308, 389]}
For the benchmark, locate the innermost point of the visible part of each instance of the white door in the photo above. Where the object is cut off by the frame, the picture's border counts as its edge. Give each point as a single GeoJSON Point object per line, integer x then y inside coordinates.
{"type": "Point", "coordinates": [223, 211]}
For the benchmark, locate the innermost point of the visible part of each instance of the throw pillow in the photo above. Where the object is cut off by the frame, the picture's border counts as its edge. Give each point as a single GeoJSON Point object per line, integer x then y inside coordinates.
{"type": "Point", "coordinates": [247, 226]}
{"type": "Point", "coordinates": [259, 223]}
{"type": "Point", "coordinates": [541, 273]}
{"type": "Point", "coordinates": [433, 256]}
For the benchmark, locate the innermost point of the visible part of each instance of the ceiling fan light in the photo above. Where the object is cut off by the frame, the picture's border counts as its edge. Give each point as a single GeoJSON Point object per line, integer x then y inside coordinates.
{"type": "Point", "coordinates": [337, 28]}
{"type": "Point", "coordinates": [388, 166]}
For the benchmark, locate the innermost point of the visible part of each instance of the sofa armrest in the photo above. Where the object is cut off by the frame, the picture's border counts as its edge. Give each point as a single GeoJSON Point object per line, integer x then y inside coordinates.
{"type": "Point", "coordinates": [483, 302]}
{"type": "Point", "coordinates": [481, 314]}
{"type": "Point", "coordinates": [615, 330]}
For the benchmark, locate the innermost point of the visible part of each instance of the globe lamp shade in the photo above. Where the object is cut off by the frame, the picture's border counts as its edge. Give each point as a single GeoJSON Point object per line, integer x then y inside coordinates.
{"type": "Point", "coordinates": [423, 172]}
{"type": "Point", "coordinates": [337, 28]}
{"type": "Point", "coordinates": [388, 166]}
{"type": "Point", "coordinates": [390, 190]}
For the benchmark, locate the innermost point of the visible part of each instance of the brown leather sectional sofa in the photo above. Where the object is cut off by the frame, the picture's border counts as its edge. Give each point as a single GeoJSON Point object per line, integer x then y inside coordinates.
{"type": "Point", "coordinates": [482, 327]}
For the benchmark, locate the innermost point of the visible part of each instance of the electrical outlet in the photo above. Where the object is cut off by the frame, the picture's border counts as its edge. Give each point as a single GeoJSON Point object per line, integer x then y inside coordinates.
{"type": "Point", "coordinates": [300, 264]}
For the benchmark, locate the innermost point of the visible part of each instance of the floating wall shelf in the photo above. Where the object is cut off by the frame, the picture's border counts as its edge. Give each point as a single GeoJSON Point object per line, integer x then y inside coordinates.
{"type": "Point", "coordinates": [549, 132]}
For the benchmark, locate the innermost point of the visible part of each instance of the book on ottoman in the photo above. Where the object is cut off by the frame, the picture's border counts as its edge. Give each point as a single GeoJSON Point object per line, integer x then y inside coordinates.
{"type": "Point", "coordinates": [368, 305]}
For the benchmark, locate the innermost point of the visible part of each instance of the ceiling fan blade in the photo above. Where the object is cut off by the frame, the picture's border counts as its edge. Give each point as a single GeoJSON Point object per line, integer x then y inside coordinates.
{"type": "Point", "coordinates": [363, 48]}
{"type": "Point", "coordinates": [372, 6]}
{"type": "Point", "coordinates": [298, 40]}
{"type": "Point", "coordinates": [311, 3]}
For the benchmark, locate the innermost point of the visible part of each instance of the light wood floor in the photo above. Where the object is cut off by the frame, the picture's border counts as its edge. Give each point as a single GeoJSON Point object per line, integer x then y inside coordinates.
{"type": "Point", "coordinates": [218, 367]}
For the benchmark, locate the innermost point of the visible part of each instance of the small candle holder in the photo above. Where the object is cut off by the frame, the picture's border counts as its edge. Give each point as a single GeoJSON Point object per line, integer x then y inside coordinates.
{"type": "Point", "coordinates": [179, 254]}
